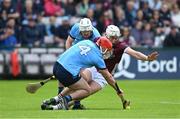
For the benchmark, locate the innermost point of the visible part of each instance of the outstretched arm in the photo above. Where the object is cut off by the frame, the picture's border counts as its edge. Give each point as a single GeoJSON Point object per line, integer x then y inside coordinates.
{"type": "Point", "coordinates": [141, 56]}
{"type": "Point", "coordinates": [109, 78]}
{"type": "Point", "coordinates": [111, 81]}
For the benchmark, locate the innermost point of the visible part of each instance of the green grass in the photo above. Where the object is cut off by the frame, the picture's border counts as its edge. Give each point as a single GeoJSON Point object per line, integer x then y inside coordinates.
{"type": "Point", "coordinates": [150, 99]}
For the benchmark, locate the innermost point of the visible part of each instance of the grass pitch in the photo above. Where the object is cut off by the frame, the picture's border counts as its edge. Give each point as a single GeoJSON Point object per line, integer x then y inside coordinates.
{"type": "Point", "coordinates": [149, 99]}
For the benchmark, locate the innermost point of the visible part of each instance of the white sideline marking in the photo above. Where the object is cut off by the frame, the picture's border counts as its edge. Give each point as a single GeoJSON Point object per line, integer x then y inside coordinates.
{"type": "Point", "coordinates": [166, 102]}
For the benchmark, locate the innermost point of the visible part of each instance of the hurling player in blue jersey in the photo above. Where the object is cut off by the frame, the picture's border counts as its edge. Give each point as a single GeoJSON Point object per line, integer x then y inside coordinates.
{"type": "Point", "coordinates": [68, 69]}
{"type": "Point", "coordinates": [81, 31]}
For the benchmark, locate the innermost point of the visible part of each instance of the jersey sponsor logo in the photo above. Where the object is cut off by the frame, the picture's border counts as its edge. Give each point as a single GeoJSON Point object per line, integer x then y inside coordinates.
{"type": "Point", "coordinates": [123, 68]}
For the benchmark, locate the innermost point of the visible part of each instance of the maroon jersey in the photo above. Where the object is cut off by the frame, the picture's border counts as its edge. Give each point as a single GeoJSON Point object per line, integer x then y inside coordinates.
{"type": "Point", "coordinates": [118, 50]}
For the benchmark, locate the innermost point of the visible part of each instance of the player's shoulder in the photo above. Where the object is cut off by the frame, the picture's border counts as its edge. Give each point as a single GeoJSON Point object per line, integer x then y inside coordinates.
{"type": "Point", "coordinates": [95, 33]}
{"type": "Point", "coordinates": [95, 29]}
{"type": "Point", "coordinates": [74, 32]}
{"type": "Point", "coordinates": [121, 45]}
{"type": "Point", "coordinates": [75, 26]}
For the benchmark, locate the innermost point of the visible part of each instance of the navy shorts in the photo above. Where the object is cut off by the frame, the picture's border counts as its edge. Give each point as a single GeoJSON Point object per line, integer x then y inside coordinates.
{"type": "Point", "coordinates": [63, 75]}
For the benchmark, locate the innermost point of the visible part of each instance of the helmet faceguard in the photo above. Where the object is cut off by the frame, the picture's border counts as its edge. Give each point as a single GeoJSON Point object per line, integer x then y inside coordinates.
{"type": "Point", "coordinates": [85, 27]}
{"type": "Point", "coordinates": [105, 46]}
{"type": "Point", "coordinates": [113, 33]}
{"type": "Point", "coordinates": [107, 54]}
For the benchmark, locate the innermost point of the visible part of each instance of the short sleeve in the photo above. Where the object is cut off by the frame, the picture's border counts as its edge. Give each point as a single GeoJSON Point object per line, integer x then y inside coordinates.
{"type": "Point", "coordinates": [74, 30]}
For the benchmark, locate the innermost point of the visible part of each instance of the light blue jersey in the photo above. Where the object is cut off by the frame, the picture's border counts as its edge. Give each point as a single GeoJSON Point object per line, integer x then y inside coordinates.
{"type": "Point", "coordinates": [76, 35]}
{"type": "Point", "coordinates": [82, 55]}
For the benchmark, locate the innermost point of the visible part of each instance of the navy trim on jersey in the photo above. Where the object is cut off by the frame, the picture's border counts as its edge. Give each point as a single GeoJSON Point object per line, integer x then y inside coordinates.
{"type": "Point", "coordinates": [63, 75]}
{"type": "Point", "coordinates": [95, 40]}
{"type": "Point", "coordinates": [71, 36]}
{"type": "Point", "coordinates": [100, 68]}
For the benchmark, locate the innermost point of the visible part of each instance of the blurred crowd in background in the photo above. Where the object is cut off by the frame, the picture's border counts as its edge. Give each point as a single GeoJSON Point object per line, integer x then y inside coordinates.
{"type": "Point", "coordinates": [43, 23]}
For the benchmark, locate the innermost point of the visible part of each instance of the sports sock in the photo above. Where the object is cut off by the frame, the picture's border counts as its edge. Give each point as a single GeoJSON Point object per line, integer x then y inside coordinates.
{"type": "Point", "coordinates": [68, 98]}
{"type": "Point", "coordinates": [77, 103]}
{"type": "Point", "coordinates": [56, 98]}
{"type": "Point", "coordinates": [60, 89]}
{"type": "Point", "coordinates": [55, 107]}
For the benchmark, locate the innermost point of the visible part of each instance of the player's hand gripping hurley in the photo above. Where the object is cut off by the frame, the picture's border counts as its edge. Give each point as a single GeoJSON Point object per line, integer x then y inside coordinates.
{"type": "Point", "coordinates": [126, 103]}
{"type": "Point", "coordinates": [33, 87]}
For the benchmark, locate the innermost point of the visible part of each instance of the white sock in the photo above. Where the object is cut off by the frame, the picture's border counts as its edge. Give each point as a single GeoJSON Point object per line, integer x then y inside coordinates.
{"type": "Point", "coordinates": [55, 107]}
{"type": "Point", "coordinates": [56, 98]}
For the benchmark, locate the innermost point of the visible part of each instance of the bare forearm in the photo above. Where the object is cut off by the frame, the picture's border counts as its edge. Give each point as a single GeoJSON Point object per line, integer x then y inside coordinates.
{"type": "Point", "coordinates": [68, 45]}
{"type": "Point", "coordinates": [109, 78]}
{"type": "Point", "coordinates": [136, 54]}
{"type": "Point", "coordinates": [69, 42]}
{"type": "Point", "coordinates": [111, 81]}
{"type": "Point", "coordinates": [141, 56]}
{"type": "Point", "coordinates": [118, 90]}
{"type": "Point", "coordinates": [150, 57]}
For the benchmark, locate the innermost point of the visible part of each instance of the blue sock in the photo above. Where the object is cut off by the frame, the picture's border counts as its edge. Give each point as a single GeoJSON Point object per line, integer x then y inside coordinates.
{"type": "Point", "coordinates": [77, 103]}
{"type": "Point", "coordinates": [60, 89]}
{"type": "Point", "coordinates": [68, 98]}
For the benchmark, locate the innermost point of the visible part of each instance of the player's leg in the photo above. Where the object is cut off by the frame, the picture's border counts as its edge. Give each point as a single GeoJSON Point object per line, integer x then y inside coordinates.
{"type": "Point", "coordinates": [81, 90]}
{"type": "Point", "coordinates": [80, 86]}
{"type": "Point", "coordinates": [96, 82]}
{"type": "Point", "coordinates": [60, 89]}
{"type": "Point", "coordinates": [95, 87]}
{"type": "Point", "coordinates": [66, 91]}
{"type": "Point", "coordinates": [86, 74]}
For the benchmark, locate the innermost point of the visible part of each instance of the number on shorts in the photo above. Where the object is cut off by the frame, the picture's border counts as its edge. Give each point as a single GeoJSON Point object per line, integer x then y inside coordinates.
{"type": "Point", "coordinates": [84, 50]}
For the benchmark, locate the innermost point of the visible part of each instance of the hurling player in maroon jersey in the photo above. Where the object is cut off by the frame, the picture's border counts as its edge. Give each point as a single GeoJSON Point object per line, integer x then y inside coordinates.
{"type": "Point", "coordinates": [120, 47]}
{"type": "Point", "coordinates": [96, 80]}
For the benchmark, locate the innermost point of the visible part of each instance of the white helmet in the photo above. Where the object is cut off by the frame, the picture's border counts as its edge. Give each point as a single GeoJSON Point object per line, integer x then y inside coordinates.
{"type": "Point", "coordinates": [112, 30]}
{"type": "Point", "coordinates": [85, 25]}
